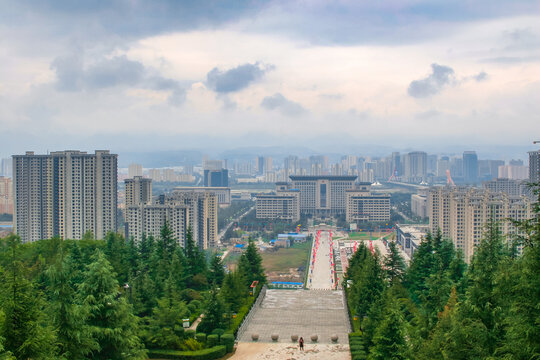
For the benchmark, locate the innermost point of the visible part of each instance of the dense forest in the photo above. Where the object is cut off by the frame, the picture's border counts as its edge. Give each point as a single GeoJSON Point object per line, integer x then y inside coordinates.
{"type": "Point", "coordinates": [438, 307]}
{"type": "Point", "coordinates": [117, 299]}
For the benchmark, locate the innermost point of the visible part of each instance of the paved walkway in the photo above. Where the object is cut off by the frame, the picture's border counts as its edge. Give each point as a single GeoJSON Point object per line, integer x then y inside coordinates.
{"type": "Point", "coordinates": [299, 312]}
{"type": "Point", "coordinates": [320, 271]}
{"type": "Point", "coordinates": [260, 351]}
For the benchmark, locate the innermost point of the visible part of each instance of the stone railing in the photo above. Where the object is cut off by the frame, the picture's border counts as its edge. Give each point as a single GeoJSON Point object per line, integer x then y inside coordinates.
{"type": "Point", "coordinates": [252, 311]}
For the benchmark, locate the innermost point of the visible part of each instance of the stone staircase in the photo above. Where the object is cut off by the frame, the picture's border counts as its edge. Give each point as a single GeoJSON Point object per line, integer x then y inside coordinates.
{"type": "Point", "coordinates": [300, 312]}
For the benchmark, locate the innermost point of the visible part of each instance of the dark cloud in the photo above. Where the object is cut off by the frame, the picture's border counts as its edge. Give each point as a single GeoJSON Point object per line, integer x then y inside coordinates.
{"type": "Point", "coordinates": [72, 75]}
{"type": "Point", "coordinates": [481, 76]}
{"type": "Point", "coordinates": [284, 105]}
{"type": "Point", "coordinates": [440, 77]}
{"type": "Point", "coordinates": [235, 79]}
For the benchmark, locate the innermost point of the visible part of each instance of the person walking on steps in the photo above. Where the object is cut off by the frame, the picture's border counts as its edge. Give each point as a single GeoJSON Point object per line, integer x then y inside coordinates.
{"type": "Point", "coordinates": [301, 343]}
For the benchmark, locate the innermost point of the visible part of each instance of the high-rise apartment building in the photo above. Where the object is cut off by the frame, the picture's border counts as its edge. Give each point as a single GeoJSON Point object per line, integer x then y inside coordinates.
{"type": "Point", "coordinates": [470, 167]}
{"type": "Point", "coordinates": [138, 191]}
{"type": "Point", "coordinates": [6, 167]}
{"type": "Point", "coordinates": [462, 213]}
{"type": "Point", "coordinates": [181, 209]}
{"type": "Point", "coordinates": [135, 170]}
{"type": "Point", "coordinates": [6, 195]}
{"type": "Point", "coordinates": [65, 194]}
{"type": "Point", "coordinates": [508, 186]}
{"type": "Point", "coordinates": [415, 166]}
{"type": "Point", "coordinates": [534, 166]}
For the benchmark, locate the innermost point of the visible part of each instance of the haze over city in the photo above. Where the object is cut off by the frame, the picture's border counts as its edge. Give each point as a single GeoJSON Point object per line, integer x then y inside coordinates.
{"type": "Point", "coordinates": [269, 179]}
{"type": "Point", "coordinates": [324, 76]}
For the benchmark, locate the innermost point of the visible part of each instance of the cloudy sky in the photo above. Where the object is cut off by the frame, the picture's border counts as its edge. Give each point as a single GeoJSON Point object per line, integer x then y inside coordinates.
{"type": "Point", "coordinates": [152, 75]}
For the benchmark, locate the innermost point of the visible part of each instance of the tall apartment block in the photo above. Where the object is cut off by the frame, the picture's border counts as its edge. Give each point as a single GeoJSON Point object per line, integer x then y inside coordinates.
{"type": "Point", "coordinates": [470, 167]}
{"type": "Point", "coordinates": [138, 191]}
{"type": "Point", "coordinates": [135, 170]}
{"type": "Point", "coordinates": [65, 194]}
{"type": "Point", "coordinates": [415, 166]}
{"type": "Point", "coordinates": [6, 195]}
{"type": "Point", "coordinates": [181, 209]}
{"type": "Point", "coordinates": [462, 213]}
{"type": "Point", "coordinates": [534, 166]}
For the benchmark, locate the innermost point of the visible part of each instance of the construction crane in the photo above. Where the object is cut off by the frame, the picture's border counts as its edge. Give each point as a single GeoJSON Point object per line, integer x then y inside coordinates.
{"type": "Point", "coordinates": [393, 176]}
{"type": "Point", "coordinates": [449, 178]}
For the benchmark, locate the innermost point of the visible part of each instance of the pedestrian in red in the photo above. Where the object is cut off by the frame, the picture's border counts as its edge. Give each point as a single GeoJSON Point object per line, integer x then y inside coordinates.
{"type": "Point", "coordinates": [301, 343]}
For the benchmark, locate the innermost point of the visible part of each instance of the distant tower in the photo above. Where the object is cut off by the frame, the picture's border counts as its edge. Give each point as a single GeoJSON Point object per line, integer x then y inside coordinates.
{"type": "Point", "coordinates": [470, 167]}
{"type": "Point", "coordinates": [534, 166]}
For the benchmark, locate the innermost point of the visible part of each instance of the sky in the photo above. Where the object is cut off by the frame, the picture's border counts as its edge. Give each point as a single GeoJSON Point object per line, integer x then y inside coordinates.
{"type": "Point", "coordinates": [133, 75]}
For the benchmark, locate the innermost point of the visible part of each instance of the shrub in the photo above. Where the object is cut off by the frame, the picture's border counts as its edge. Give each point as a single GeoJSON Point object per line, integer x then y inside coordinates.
{"type": "Point", "coordinates": [191, 345]}
{"type": "Point", "coordinates": [212, 340]}
{"type": "Point", "coordinates": [200, 337]}
{"type": "Point", "coordinates": [228, 341]}
{"type": "Point", "coordinates": [215, 352]}
{"type": "Point", "coordinates": [218, 332]}
{"type": "Point", "coordinates": [189, 334]}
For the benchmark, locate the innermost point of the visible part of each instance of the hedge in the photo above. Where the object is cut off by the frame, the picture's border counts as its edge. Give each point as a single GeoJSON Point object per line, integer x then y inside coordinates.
{"type": "Point", "coordinates": [190, 334]}
{"type": "Point", "coordinates": [215, 352]}
{"type": "Point", "coordinates": [242, 313]}
{"type": "Point", "coordinates": [356, 346]}
{"type": "Point", "coordinates": [212, 340]}
{"type": "Point", "coordinates": [228, 341]}
{"type": "Point", "coordinates": [200, 337]}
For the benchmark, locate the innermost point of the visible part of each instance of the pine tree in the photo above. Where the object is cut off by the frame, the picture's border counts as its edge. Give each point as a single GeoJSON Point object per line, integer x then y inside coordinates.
{"type": "Point", "coordinates": [112, 323]}
{"type": "Point", "coordinates": [68, 318]}
{"type": "Point", "coordinates": [25, 330]}
{"type": "Point", "coordinates": [482, 304]}
{"type": "Point", "coordinates": [217, 272]}
{"type": "Point", "coordinates": [250, 265]}
{"type": "Point", "coordinates": [233, 291]}
{"type": "Point", "coordinates": [389, 340]}
{"type": "Point", "coordinates": [165, 330]}
{"type": "Point", "coordinates": [523, 329]}
{"type": "Point", "coordinates": [213, 313]}
{"type": "Point", "coordinates": [394, 264]}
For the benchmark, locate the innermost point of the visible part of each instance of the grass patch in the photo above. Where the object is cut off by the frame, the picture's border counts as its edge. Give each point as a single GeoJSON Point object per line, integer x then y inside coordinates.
{"type": "Point", "coordinates": [284, 258]}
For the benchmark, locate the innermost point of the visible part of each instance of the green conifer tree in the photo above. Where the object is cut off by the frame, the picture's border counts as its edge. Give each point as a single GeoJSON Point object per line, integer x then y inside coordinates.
{"type": "Point", "coordinates": [110, 317]}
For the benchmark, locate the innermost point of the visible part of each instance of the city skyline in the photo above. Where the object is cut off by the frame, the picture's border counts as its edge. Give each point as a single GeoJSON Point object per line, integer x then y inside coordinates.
{"type": "Point", "coordinates": [269, 73]}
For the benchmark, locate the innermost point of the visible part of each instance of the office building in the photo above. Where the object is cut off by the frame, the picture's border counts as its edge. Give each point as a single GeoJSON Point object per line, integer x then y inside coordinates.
{"type": "Point", "coordinates": [138, 191]}
{"type": "Point", "coordinates": [282, 205]}
{"type": "Point", "coordinates": [462, 213]}
{"type": "Point", "coordinates": [362, 205]}
{"type": "Point", "coordinates": [470, 167]}
{"type": "Point", "coordinates": [322, 195]}
{"type": "Point", "coordinates": [65, 194]}
{"type": "Point", "coordinates": [534, 166]}
{"type": "Point", "coordinates": [135, 170]}
{"type": "Point", "coordinates": [216, 178]}
{"type": "Point", "coordinates": [6, 196]}
{"type": "Point", "coordinates": [410, 237]}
